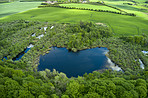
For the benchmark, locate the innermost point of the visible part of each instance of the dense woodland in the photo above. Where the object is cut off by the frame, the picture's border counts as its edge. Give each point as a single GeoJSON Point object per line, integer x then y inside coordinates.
{"type": "Point", "coordinates": [20, 79]}
{"type": "Point", "coordinates": [45, 84]}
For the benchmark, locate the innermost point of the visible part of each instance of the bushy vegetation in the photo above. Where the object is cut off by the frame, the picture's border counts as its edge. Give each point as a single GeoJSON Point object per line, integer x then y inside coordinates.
{"type": "Point", "coordinates": [21, 78]}
{"type": "Point", "coordinates": [74, 37]}
{"type": "Point", "coordinates": [15, 37]}
{"type": "Point", "coordinates": [123, 35]}
{"type": "Point", "coordinates": [142, 40]}
{"type": "Point", "coordinates": [45, 84]}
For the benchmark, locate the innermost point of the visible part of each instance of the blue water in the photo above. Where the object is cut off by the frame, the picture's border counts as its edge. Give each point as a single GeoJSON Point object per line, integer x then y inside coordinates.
{"type": "Point", "coordinates": [19, 56]}
{"type": "Point", "coordinates": [74, 64]}
{"type": "Point", "coordinates": [4, 58]}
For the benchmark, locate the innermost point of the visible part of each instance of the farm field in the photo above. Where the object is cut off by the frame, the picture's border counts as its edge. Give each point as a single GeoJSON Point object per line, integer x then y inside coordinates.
{"type": "Point", "coordinates": [16, 7]}
{"type": "Point", "coordinates": [90, 6]}
{"type": "Point", "coordinates": [120, 24]}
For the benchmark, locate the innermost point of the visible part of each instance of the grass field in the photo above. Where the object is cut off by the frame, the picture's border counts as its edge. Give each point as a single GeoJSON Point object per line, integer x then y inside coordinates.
{"type": "Point", "coordinates": [15, 7]}
{"type": "Point", "coordinates": [90, 6]}
{"type": "Point", "coordinates": [120, 24]}
{"type": "Point", "coordinates": [139, 10]}
{"type": "Point", "coordinates": [118, 0]}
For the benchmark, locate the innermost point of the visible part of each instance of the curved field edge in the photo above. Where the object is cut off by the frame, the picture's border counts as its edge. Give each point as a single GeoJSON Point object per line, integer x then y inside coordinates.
{"type": "Point", "coordinates": [120, 24]}
{"type": "Point", "coordinates": [90, 6]}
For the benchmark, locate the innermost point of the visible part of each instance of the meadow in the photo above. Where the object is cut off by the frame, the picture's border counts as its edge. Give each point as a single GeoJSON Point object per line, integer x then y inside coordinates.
{"type": "Point", "coordinates": [120, 24]}
{"type": "Point", "coordinates": [140, 10]}
{"type": "Point", "coordinates": [16, 7]}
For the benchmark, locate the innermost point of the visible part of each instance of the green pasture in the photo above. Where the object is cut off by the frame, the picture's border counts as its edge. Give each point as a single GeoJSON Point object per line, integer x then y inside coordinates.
{"type": "Point", "coordinates": [15, 7]}
{"type": "Point", "coordinates": [118, 0]}
{"type": "Point", "coordinates": [140, 0]}
{"type": "Point", "coordinates": [90, 6]}
{"type": "Point", "coordinates": [120, 24]}
{"type": "Point", "coordinates": [139, 10]}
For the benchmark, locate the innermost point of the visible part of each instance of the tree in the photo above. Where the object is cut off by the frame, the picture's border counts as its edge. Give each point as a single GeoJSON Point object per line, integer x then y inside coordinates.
{"type": "Point", "coordinates": [25, 94]}
{"type": "Point", "coordinates": [92, 95]}
{"type": "Point", "coordinates": [73, 89]}
{"type": "Point", "coordinates": [12, 88]}
{"type": "Point", "coordinates": [65, 96]}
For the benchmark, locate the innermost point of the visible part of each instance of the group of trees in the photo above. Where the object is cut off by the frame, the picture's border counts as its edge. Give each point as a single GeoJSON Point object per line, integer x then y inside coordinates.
{"type": "Point", "coordinates": [86, 35]}
{"type": "Point", "coordinates": [46, 84]}
{"type": "Point", "coordinates": [16, 36]}
{"type": "Point", "coordinates": [142, 40]}
{"type": "Point", "coordinates": [9, 28]}
{"type": "Point", "coordinates": [21, 78]}
{"type": "Point", "coordinates": [74, 37]}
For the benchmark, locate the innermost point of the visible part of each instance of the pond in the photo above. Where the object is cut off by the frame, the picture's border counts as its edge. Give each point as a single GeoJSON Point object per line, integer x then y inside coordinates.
{"type": "Point", "coordinates": [20, 55]}
{"type": "Point", "coordinates": [74, 63]}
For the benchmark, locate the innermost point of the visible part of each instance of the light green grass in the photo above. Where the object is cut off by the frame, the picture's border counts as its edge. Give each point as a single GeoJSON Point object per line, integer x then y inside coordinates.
{"type": "Point", "coordinates": [5, 3]}
{"type": "Point", "coordinates": [120, 24]}
{"type": "Point", "coordinates": [117, 0]}
{"type": "Point", "coordinates": [140, 0]}
{"type": "Point", "coordinates": [137, 9]}
{"type": "Point", "coordinates": [12, 8]}
{"type": "Point", "coordinates": [90, 6]}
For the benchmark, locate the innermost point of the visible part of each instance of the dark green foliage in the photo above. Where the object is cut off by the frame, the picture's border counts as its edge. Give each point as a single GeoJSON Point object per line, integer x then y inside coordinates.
{"type": "Point", "coordinates": [93, 85]}
{"type": "Point", "coordinates": [74, 37]}
{"type": "Point", "coordinates": [142, 40]}
{"type": "Point", "coordinates": [20, 79]}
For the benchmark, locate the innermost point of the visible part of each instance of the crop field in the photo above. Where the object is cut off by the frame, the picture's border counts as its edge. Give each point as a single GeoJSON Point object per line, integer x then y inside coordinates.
{"type": "Point", "coordinates": [13, 8]}
{"type": "Point", "coordinates": [120, 24]}
{"type": "Point", "coordinates": [90, 6]}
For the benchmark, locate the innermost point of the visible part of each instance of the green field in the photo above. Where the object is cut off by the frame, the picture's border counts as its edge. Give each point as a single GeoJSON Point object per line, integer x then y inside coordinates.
{"type": "Point", "coordinates": [16, 7]}
{"type": "Point", "coordinates": [138, 9]}
{"type": "Point", "coordinates": [90, 6]}
{"type": "Point", "coordinates": [120, 24]}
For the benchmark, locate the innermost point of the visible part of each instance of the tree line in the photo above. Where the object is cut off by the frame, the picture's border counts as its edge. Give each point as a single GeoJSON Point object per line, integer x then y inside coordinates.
{"type": "Point", "coordinates": [97, 10]}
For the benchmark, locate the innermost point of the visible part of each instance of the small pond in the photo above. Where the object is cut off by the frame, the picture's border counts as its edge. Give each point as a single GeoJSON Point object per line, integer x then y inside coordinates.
{"type": "Point", "coordinates": [20, 55]}
{"type": "Point", "coordinates": [74, 63]}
